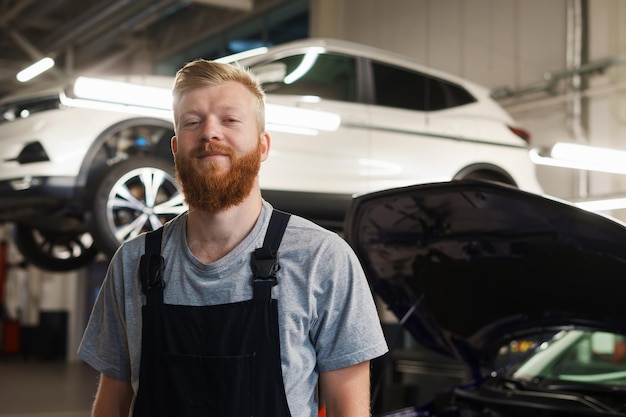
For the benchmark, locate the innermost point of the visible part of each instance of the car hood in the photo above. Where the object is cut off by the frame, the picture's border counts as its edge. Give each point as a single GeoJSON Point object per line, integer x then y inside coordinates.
{"type": "Point", "coordinates": [467, 266]}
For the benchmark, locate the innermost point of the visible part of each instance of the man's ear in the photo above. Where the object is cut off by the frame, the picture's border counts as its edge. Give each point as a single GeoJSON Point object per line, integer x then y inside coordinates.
{"type": "Point", "coordinates": [265, 141]}
{"type": "Point", "coordinates": [174, 144]}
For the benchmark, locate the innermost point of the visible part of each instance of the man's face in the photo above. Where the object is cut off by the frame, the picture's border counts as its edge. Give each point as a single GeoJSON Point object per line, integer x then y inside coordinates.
{"type": "Point", "coordinates": [218, 148]}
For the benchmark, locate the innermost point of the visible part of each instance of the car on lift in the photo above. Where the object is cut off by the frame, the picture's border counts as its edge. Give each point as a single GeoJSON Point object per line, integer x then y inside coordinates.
{"type": "Point", "coordinates": [84, 168]}
{"type": "Point", "coordinates": [524, 290]}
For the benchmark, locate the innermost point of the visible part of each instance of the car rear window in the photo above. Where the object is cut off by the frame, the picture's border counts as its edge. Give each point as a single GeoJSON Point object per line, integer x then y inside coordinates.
{"type": "Point", "coordinates": [398, 87]}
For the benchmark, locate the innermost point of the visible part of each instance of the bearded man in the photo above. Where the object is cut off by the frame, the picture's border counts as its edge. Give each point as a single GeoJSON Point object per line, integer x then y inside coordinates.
{"type": "Point", "coordinates": [232, 308]}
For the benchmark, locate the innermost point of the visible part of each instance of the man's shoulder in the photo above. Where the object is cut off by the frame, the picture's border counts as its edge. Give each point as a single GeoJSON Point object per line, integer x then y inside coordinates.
{"type": "Point", "coordinates": [304, 232]}
{"type": "Point", "coordinates": [305, 226]}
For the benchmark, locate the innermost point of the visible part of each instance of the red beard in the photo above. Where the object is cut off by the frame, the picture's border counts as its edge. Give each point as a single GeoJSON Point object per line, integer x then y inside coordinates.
{"type": "Point", "coordinates": [207, 188]}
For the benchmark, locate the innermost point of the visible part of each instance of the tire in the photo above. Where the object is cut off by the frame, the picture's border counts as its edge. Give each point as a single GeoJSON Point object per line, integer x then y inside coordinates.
{"type": "Point", "coordinates": [132, 197]}
{"type": "Point", "coordinates": [491, 176]}
{"type": "Point", "coordinates": [55, 251]}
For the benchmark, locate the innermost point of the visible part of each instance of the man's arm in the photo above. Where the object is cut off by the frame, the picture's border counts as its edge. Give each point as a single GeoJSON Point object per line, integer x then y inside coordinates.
{"type": "Point", "coordinates": [346, 391]}
{"type": "Point", "coordinates": [113, 398]}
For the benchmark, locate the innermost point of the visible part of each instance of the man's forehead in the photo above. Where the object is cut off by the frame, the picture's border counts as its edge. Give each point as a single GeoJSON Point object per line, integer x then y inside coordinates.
{"type": "Point", "coordinates": [226, 94]}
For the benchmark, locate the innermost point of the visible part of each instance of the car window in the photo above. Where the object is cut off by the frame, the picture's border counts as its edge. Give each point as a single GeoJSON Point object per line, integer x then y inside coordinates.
{"type": "Point", "coordinates": [577, 356]}
{"type": "Point", "coordinates": [597, 357]}
{"type": "Point", "coordinates": [398, 87]}
{"type": "Point", "coordinates": [330, 76]}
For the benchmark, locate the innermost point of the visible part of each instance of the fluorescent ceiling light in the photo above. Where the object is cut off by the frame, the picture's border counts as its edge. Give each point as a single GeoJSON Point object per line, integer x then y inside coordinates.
{"type": "Point", "coordinates": [110, 95]}
{"type": "Point", "coordinates": [122, 93]}
{"type": "Point", "coordinates": [134, 98]}
{"type": "Point", "coordinates": [584, 157]}
{"type": "Point", "coordinates": [34, 70]}
{"type": "Point", "coordinates": [583, 153]}
{"type": "Point", "coordinates": [588, 158]}
{"type": "Point", "coordinates": [116, 107]}
{"type": "Point", "coordinates": [603, 205]}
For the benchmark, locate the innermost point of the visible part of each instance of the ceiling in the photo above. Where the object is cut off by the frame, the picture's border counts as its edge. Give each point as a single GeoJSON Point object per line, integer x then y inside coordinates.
{"type": "Point", "coordinates": [107, 36]}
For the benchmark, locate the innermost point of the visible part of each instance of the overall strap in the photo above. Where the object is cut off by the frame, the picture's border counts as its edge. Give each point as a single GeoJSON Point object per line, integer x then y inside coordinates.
{"type": "Point", "coordinates": [151, 265]}
{"type": "Point", "coordinates": [265, 259]}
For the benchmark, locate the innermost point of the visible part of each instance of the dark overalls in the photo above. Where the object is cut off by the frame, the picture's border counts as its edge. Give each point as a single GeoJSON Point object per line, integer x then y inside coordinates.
{"type": "Point", "coordinates": [219, 360]}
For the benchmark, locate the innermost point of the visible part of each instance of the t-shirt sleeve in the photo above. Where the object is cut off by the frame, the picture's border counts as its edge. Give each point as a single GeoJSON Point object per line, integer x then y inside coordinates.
{"type": "Point", "coordinates": [104, 345]}
{"type": "Point", "coordinates": [348, 329]}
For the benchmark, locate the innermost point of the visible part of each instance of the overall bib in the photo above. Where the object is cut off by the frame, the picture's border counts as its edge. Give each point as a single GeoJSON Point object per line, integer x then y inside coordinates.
{"type": "Point", "coordinates": [212, 361]}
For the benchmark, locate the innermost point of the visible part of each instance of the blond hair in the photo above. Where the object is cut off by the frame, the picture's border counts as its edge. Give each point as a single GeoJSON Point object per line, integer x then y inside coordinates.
{"type": "Point", "coordinates": [203, 73]}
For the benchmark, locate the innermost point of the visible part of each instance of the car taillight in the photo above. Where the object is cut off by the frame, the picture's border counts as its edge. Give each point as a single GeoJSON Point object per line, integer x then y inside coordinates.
{"type": "Point", "coordinates": [522, 133]}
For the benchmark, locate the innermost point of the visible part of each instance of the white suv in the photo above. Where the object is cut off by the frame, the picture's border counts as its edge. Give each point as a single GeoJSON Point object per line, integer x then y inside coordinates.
{"type": "Point", "coordinates": [78, 175]}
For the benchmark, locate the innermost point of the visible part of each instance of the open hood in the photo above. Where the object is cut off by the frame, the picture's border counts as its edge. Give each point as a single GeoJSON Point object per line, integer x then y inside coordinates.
{"type": "Point", "coordinates": [467, 266]}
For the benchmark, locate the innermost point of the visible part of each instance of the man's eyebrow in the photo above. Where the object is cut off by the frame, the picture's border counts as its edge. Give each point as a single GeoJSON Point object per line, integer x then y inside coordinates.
{"type": "Point", "coordinates": [229, 107]}
{"type": "Point", "coordinates": [222, 107]}
{"type": "Point", "coordinates": [190, 113]}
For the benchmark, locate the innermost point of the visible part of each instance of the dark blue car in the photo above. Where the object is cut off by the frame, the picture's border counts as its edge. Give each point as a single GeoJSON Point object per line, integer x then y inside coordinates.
{"type": "Point", "coordinates": [528, 292]}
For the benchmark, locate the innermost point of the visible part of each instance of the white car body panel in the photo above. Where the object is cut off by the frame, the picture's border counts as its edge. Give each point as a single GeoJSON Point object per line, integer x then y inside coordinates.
{"type": "Point", "coordinates": [65, 134]}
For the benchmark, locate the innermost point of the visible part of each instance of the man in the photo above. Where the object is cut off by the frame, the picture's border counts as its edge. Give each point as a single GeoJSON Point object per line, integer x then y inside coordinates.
{"type": "Point", "coordinates": [242, 316]}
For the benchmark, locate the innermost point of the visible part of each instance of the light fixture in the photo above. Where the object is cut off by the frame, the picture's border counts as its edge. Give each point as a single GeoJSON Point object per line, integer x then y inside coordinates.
{"type": "Point", "coordinates": [125, 93]}
{"type": "Point", "coordinates": [115, 107]}
{"type": "Point", "coordinates": [587, 158]}
{"type": "Point", "coordinates": [606, 204]}
{"type": "Point", "coordinates": [118, 96]}
{"type": "Point", "coordinates": [35, 69]}
{"type": "Point", "coordinates": [583, 157]}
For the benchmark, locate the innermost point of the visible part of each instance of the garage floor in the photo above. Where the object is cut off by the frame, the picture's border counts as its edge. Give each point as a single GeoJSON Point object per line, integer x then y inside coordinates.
{"type": "Point", "coordinates": [46, 388]}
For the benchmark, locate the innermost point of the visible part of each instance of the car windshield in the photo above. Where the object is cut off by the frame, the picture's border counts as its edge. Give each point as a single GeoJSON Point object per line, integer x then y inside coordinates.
{"type": "Point", "coordinates": [328, 76]}
{"type": "Point", "coordinates": [576, 356]}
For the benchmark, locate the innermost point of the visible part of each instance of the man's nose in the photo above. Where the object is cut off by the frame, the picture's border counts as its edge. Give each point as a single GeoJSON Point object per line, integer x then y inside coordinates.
{"type": "Point", "coordinates": [211, 129]}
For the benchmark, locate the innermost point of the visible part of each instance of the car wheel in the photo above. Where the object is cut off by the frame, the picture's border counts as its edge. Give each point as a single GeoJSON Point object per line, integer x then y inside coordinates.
{"type": "Point", "coordinates": [53, 250]}
{"type": "Point", "coordinates": [491, 176]}
{"type": "Point", "coordinates": [132, 197]}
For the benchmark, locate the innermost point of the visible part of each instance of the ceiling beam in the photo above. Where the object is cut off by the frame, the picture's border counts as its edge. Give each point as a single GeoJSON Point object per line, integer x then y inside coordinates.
{"type": "Point", "coordinates": [246, 5]}
{"type": "Point", "coordinates": [8, 15]}
{"type": "Point", "coordinates": [85, 22]}
{"type": "Point", "coordinates": [26, 45]}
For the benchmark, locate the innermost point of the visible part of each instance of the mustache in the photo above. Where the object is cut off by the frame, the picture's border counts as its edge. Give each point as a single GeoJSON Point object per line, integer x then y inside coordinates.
{"type": "Point", "coordinates": [208, 147]}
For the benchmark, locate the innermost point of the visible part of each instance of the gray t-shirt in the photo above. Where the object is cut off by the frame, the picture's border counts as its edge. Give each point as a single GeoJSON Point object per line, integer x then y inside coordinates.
{"type": "Point", "coordinates": [327, 317]}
